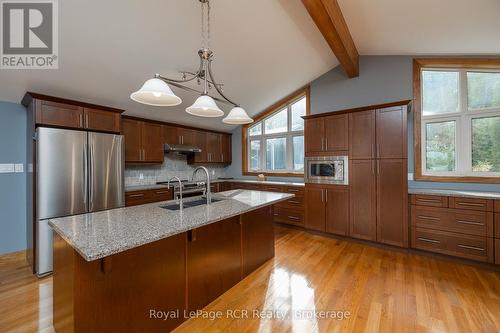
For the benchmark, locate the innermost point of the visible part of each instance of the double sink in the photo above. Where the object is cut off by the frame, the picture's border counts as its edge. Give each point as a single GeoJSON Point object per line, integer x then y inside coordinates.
{"type": "Point", "coordinates": [189, 204]}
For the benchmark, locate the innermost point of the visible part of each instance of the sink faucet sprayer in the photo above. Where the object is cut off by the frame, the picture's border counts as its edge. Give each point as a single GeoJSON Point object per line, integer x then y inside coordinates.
{"type": "Point", "coordinates": [208, 192]}
{"type": "Point", "coordinates": [180, 189]}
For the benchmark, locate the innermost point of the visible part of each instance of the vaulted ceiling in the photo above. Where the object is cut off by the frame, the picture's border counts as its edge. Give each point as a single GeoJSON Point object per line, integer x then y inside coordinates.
{"type": "Point", "coordinates": [264, 49]}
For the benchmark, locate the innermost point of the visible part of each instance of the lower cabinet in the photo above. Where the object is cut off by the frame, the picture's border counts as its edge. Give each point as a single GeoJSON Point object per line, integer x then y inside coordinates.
{"type": "Point", "coordinates": [135, 198]}
{"type": "Point", "coordinates": [213, 261]}
{"type": "Point", "coordinates": [363, 200]}
{"type": "Point", "coordinates": [327, 208]}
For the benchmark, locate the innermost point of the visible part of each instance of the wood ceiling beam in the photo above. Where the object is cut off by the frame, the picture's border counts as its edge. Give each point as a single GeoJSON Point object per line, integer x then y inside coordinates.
{"type": "Point", "coordinates": [330, 21]}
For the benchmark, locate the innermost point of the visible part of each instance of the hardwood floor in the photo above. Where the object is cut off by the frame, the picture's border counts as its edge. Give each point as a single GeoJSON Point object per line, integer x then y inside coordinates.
{"type": "Point", "coordinates": [381, 290]}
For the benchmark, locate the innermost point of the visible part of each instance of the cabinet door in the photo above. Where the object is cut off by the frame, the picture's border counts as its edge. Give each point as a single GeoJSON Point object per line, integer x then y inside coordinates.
{"type": "Point", "coordinates": [362, 200]}
{"type": "Point", "coordinates": [131, 129]}
{"type": "Point", "coordinates": [58, 114]}
{"type": "Point", "coordinates": [362, 135]}
{"type": "Point", "coordinates": [227, 155]}
{"type": "Point", "coordinates": [200, 141]}
{"type": "Point", "coordinates": [337, 210]}
{"type": "Point", "coordinates": [170, 135]}
{"type": "Point", "coordinates": [314, 135]}
{"type": "Point", "coordinates": [391, 133]}
{"type": "Point", "coordinates": [392, 202]}
{"type": "Point", "coordinates": [315, 208]}
{"type": "Point", "coordinates": [337, 133]}
{"type": "Point", "coordinates": [213, 261]}
{"type": "Point", "coordinates": [187, 136]}
{"type": "Point", "coordinates": [152, 143]}
{"type": "Point", "coordinates": [99, 120]}
{"type": "Point", "coordinates": [213, 147]}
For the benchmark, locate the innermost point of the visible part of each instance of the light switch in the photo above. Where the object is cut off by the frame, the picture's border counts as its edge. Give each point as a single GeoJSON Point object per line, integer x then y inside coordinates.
{"type": "Point", "coordinates": [410, 176]}
{"type": "Point", "coordinates": [19, 168]}
{"type": "Point", "coordinates": [7, 168]}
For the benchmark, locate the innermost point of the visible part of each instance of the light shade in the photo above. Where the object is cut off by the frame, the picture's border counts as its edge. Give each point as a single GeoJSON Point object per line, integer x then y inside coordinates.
{"type": "Point", "coordinates": [237, 116]}
{"type": "Point", "coordinates": [156, 92]}
{"type": "Point", "coordinates": [205, 106]}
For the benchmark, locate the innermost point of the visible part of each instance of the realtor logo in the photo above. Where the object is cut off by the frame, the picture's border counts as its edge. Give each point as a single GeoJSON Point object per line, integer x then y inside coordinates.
{"type": "Point", "coordinates": [29, 34]}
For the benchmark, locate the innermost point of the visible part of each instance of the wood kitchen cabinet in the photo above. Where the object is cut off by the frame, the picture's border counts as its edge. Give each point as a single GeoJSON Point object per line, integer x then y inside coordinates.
{"type": "Point", "coordinates": [391, 124]}
{"type": "Point", "coordinates": [327, 208]}
{"type": "Point", "coordinates": [363, 200]}
{"type": "Point", "coordinates": [327, 135]}
{"type": "Point", "coordinates": [362, 135]}
{"type": "Point", "coordinates": [143, 141]}
{"type": "Point", "coordinates": [186, 136]}
{"type": "Point", "coordinates": [200, 141]}
{"type": "Point", "coordinates": [170, 135]}
{"type": "Point", "coordinates": [392, 202]}
{"type": "Point", "coordinates": [214, 147]}
{"type": "Point", "coordinates": [208, 247]}
{"type": "Point", "coordinates": [64, 113]}
{"type": "Point", "coordinates": [226, 149]}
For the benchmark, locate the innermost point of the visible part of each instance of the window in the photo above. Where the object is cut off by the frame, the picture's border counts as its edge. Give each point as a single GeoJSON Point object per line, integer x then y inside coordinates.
{"type": "Point", "coordinates": [274, 143]}
{"type": "Point", "coordinates": [459, 127]}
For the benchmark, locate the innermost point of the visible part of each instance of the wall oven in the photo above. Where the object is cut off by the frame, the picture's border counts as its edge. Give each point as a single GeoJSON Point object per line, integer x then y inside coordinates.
{"type": "Point", "coordinates": [327, 170]}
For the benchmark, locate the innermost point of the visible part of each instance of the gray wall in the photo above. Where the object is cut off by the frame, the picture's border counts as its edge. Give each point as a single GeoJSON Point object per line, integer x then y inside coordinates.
{"type": "Point", "coordinates": [12, 185]}
{"type": "Point", "coordinates": [382, 79]}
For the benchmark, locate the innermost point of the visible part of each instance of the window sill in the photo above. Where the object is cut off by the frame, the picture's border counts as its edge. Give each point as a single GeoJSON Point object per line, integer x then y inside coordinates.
{"type": "Point", "coordinates": [456, 179]}
{"type": "Point", "coordinates": [275, 174]}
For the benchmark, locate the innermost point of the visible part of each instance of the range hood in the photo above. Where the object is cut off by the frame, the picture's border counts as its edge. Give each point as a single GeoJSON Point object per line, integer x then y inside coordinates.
{"type": "Point", "coordinates": [181, 149]}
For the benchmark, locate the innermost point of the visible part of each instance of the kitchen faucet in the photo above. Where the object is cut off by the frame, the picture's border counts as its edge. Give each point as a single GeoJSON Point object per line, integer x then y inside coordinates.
{"type": "Point", "coordinates": [180, 189]}
{"type": "Point", "coordinates": [209, 193]}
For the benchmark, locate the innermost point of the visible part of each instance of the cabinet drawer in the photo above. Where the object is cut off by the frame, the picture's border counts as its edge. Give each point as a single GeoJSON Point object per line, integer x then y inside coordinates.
{"type": "Point", "coordinates": [289, 216]}
{"type": "Point", "coordinates": [429, 200]}
{"type": "Point", "coordinates": [472, 204]}
{"type": "Point", "coordinates": [459, 245]}
{"type": "Point", "coordinates": [296, 202]}
{"type": "Point", "coordinates": [272, 188]}
{"type": "Point", "coordinates": [454, 220]}
{"type": "Point", "coordinates": [161, 195]}
{"type": "Point", "coordinates": [136, 198]}
{"type": "Point", "coordinates": [298, 191]}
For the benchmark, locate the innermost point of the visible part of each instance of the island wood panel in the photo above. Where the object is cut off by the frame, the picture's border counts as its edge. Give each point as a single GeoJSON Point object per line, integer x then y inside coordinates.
{"type": "Point", "coordinates": [257, 242]}
{"type": "Point", "coordinates": [116, 294]}
{"type": "Point", "coordinates": [99, 120]}
{"type": "Point", "coordinates": [213, 261]}
{"type": "Point", "coordinates": [392, 202]}
{"type": "Point", "coordinates": [362, 200]}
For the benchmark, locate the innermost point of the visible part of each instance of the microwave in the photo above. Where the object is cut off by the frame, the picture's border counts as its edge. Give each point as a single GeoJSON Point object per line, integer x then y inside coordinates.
{"type": "Point", "coordinates": [327, 170]}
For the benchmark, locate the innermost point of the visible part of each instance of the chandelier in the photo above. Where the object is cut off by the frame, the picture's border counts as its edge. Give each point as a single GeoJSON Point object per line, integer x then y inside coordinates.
{"type": "Point", "coordinates": [157, 92]}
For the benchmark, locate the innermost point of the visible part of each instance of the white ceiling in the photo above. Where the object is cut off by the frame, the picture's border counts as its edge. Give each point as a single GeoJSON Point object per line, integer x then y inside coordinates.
{"type": "Point", "coordinates": [264, 49]}
{"type": "Point", "coordinates": [413, 27]}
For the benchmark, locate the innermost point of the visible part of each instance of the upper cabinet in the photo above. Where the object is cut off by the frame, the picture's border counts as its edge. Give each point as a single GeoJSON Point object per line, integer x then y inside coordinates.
{"type": "Point", "coordinates": [362, 135]}
{"type": "Point", "coordinates": [63, 113]}
{"type": "Point", "coordinates": [327, 135]}
{"type": "Point", "coordinates": [215, 148]}
{"type": "Point", "coordinates": [143, 141]}
{"type": "Point", "coordinates": [391, 132]}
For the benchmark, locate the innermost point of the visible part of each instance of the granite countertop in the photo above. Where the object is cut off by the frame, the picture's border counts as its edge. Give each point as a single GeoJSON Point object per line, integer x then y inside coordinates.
{"type": "Point", "coordinates": [455, 193]}
{"type": "Point", "coordinates": [249, 181]}
{"type": "Point", "coordinates": [101, 234]}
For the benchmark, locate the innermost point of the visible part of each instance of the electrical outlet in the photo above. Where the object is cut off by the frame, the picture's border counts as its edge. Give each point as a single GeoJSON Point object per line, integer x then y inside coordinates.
{"type": "Point", "coordinates": [19, 168]}
{"type": "Point", "coordinates": [7, 168]}
{"type": "Point", "coordinates": [141, 176]}
{"type": "Point", "coordinates": [410, 176]}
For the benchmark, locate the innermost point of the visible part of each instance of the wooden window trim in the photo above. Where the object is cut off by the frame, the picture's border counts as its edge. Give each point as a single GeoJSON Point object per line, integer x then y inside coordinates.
{"type": "Point", "coordinates": [418, 64]}
{"type": "Point", "coordinates": [305, 91]}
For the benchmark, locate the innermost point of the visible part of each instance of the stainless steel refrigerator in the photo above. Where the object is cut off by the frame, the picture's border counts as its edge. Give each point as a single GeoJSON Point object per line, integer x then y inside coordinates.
{"type": "Point", "coordinates": [77, 172]}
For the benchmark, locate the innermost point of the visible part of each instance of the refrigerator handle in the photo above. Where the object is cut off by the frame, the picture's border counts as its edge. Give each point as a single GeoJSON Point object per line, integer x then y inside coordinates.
{"type": "Point", "coordinates": [85, 173]}
{"type": "Point", "coordinates": [91, 176]}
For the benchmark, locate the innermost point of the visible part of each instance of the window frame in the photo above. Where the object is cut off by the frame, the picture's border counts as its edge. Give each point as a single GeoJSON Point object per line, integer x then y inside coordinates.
{"type": "Point", "coordinates": [464, 118]}
{"type": "Point", "coordinates": [289, 135]}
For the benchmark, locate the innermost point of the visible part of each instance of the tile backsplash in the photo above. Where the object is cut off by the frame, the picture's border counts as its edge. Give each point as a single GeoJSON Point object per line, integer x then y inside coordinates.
{"type": "Point", "coordinates": [173, 165]}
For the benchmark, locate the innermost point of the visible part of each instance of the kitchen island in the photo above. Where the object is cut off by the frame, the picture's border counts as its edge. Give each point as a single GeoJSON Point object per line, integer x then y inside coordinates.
{"type": "Point", "coordinates": [147, 268]}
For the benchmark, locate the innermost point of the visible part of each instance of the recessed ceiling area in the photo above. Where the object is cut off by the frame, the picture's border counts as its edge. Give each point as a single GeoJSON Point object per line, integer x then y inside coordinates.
{"type": "Point", "coordinates": [263, 50]}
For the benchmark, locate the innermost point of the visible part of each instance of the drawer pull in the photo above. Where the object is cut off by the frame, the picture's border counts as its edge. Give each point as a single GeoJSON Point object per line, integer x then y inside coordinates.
{"type": "Point", "coordinates": [290, 190]}
{"type": "Point", "coordinates": [470, 204]}
{"type": "Point", "coordinates": [469, 222]}
{"type": "Point", "coordinates": [294, 202]}
{"type": "Point", "coordinates": [276, 214]}
{"type": "Point", "coordinates": [429, 200]}
{"type": "Point", "coordinates": [163, 192]}
{"type": "Point", "coordinates": [136, 195]}
{"type": "Point", "coordinates": [470, 247]}
{"type": "Point", "coordinates": [429, 240]}
{"type": "Point", "coordinates": [429, 218]}
{"type": "Point", "coordinates": [294, 218]}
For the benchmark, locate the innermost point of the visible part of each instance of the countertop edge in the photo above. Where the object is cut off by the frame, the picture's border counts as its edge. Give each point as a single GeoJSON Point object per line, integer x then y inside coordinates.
{"type": "Point", "coordinates": [456, 193]}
